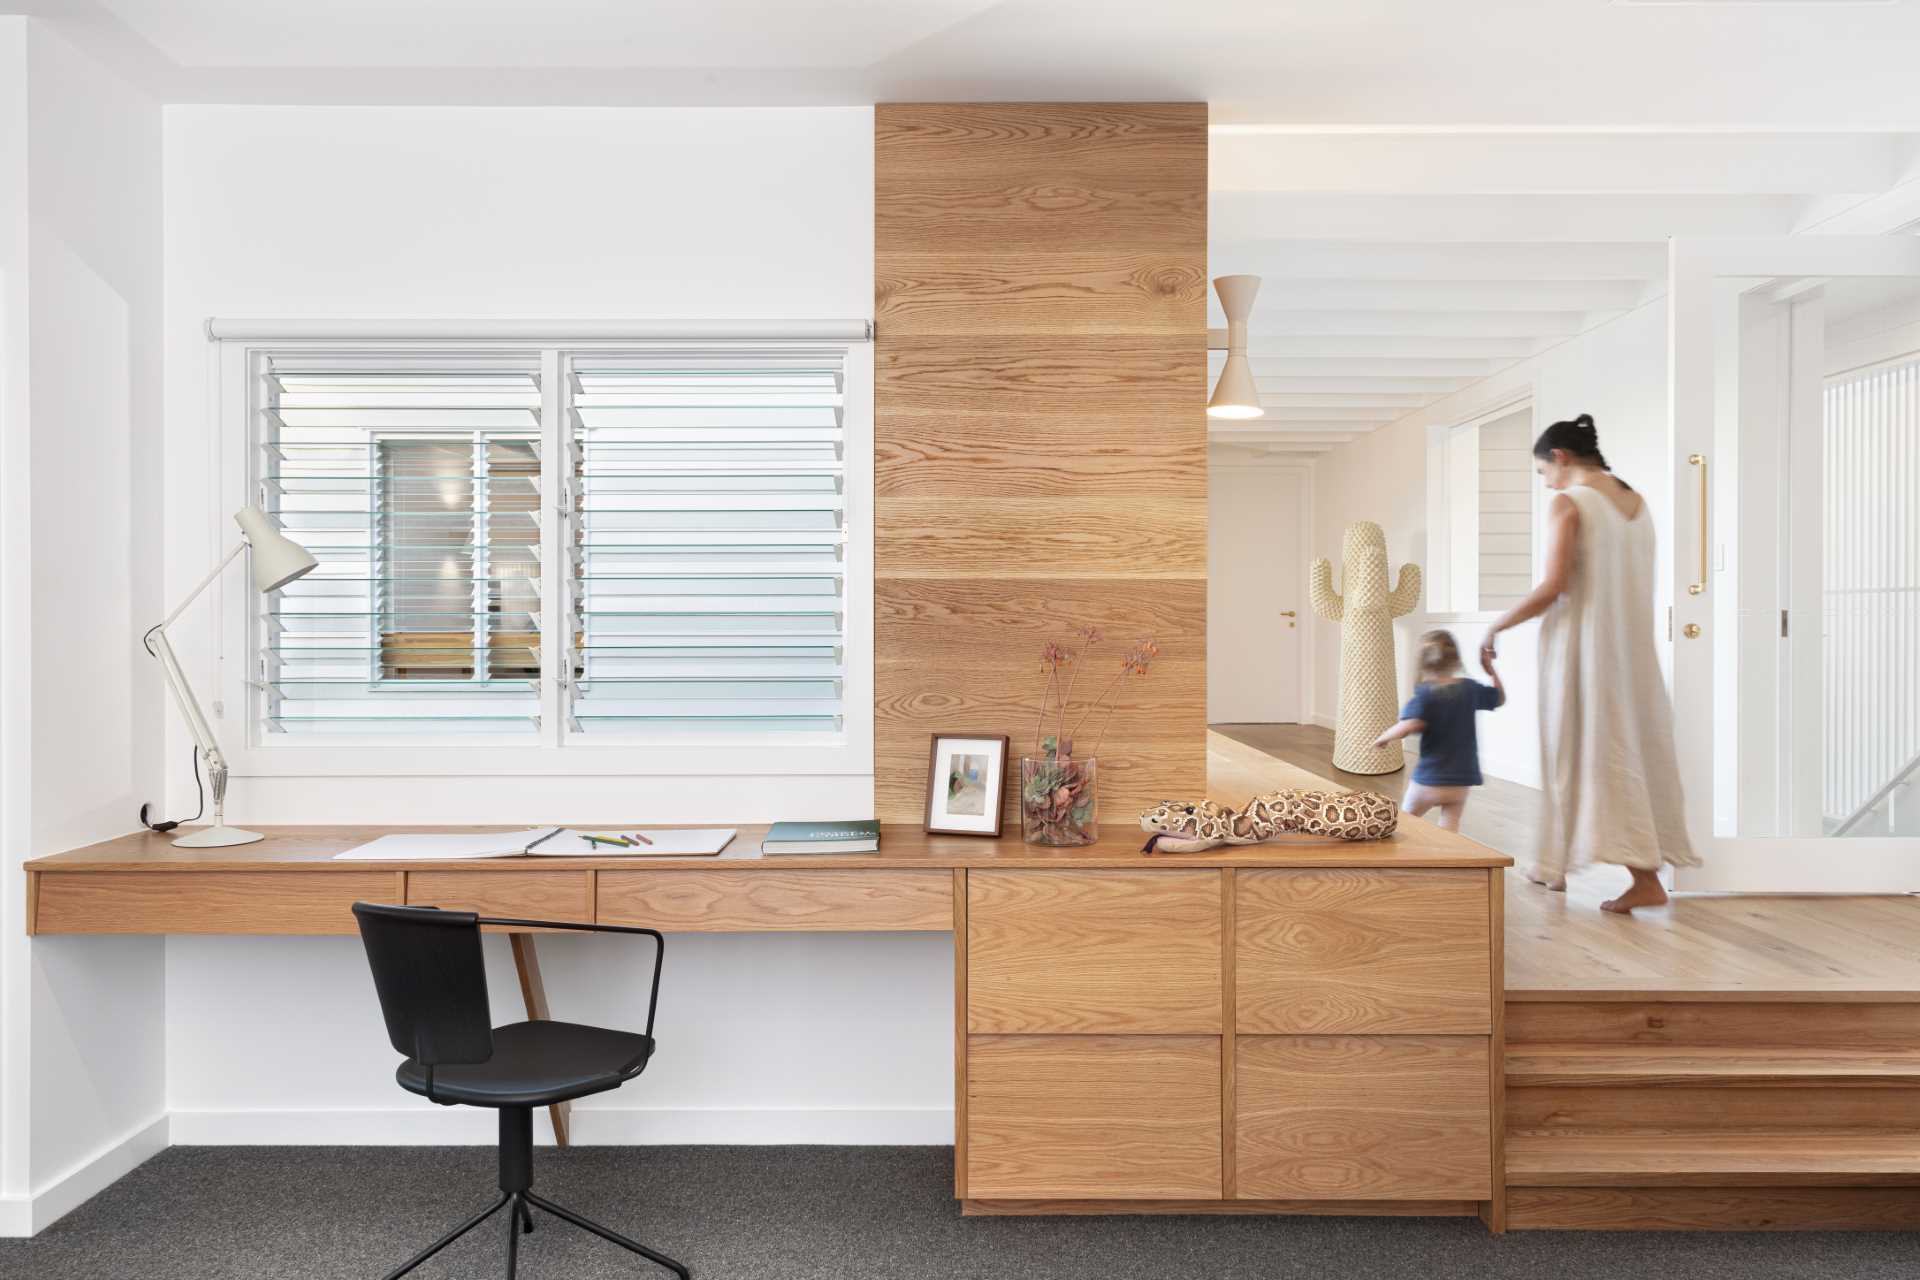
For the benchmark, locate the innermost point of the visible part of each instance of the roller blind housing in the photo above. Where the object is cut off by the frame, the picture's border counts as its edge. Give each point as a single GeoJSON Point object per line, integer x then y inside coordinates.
{"type": "Point", "coordinates": [554, 547]}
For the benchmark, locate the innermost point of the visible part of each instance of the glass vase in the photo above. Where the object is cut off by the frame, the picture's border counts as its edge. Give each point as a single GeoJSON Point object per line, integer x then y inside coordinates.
{"type": "Point", "coordinates": [1059, 800]}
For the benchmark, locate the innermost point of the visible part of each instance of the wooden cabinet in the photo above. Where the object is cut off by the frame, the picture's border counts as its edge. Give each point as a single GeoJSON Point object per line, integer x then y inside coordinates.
{"type": "Point", "coordinates": [1093, 951]}
{"type": "Point", "coordinates": [252, 902]}
{"type": "Point", "coordinates": [1362, 1117]}
{"type": "Point", "coordinates": [1363, 950]}
{"type": "Point", "coordinates": [1258, 1038]}
{"type": "Point", "coordinates": [1093, 1117]}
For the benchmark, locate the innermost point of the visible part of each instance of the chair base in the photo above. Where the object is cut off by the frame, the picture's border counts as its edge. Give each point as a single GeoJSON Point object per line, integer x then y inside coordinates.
{"type": "Point", "coordinates": [516, 1196]}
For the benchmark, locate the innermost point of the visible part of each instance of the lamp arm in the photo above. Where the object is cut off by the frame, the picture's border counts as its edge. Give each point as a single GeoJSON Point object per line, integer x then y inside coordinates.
{"type": "Point", "coordinates": [177, 677]}
{"type": "Point", "coordinates": [189, 705]}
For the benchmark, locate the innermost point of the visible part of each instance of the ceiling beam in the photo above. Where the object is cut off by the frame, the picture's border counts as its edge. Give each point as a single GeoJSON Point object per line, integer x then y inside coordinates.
{"type": "Point", "coordinates": [1265, 367]}
{"type": "Point", "coordinates": [1391, 403]}
{"type": "Point", "coordinates": [1480, 219]}
{"type": "Point", "coordinates": [1446, 295]}
{"type": "Point", "coordinates": [1433, 386]}
{"type": "Point", "coordinates": [1381, 346]}
{"type": "Point", "coordinates": [1363, 260]}
{"type": "Point", "coordinates": [1568, 162]}
{"type": "Point", "coordinates": [1453, 324]}
{"type": "Point", "coordinates": [1277, 413]}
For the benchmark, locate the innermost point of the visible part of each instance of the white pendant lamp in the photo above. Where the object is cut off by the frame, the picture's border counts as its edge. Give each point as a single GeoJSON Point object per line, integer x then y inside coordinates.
{"type": "Point", "coordinates": [1235, 395]}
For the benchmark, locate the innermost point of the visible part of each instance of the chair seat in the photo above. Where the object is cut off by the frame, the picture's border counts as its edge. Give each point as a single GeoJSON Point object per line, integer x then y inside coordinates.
{"type": "Point", "coordinates": [536, 1064]}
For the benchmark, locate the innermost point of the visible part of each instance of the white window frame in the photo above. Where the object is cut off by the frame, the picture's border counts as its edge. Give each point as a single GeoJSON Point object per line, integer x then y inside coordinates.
{"type": "Point", "coordinates": [1440, 510]}
{"type": "Point", "coordinates": [239, 348]}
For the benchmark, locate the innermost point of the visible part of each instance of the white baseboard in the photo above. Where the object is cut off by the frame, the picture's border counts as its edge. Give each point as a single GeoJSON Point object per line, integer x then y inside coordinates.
{"type": "Point", "coordinates": [26, 1215]}
{"type": "Point", "coordinates": [1325, 722]}
{"type": "Point", "coordinates": [592, 1127]}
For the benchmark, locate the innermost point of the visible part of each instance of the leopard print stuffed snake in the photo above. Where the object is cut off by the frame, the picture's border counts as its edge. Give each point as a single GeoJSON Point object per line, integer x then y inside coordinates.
{"type": "Point", "coordinates": [1190, 828]}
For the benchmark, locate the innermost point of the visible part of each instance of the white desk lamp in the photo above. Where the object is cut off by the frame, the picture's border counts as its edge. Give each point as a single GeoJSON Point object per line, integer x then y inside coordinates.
{"type": "Point", "coordinates": [276, 561]}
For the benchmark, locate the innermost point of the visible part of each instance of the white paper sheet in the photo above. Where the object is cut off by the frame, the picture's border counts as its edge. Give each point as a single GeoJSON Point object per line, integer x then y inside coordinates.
{"type": "Point", "coordinates": [423, 847]}
{"type": "Point", "coordinates": [541, 842]}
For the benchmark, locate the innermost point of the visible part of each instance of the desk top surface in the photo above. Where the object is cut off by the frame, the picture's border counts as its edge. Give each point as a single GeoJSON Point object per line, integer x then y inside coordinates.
{"type": "Point", "coordinates": [1417, 844]}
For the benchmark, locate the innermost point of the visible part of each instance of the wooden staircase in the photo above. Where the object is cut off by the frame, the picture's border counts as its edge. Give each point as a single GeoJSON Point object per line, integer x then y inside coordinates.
{"type": "Point", "coordinates": [1704, 1114]}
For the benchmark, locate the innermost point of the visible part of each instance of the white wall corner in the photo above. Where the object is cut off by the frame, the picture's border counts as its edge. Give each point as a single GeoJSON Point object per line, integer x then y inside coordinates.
{"type": "Point", "coordinates": [35, 1211]}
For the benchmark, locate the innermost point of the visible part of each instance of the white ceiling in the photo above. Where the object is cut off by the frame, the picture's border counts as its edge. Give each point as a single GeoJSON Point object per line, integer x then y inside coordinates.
{"type": "Point", "coordinates": [1431, 189]}
{"type": "Point", "coordinates": [1783, 64]}
{"type": "Point", "coordinates": [1400, 268]}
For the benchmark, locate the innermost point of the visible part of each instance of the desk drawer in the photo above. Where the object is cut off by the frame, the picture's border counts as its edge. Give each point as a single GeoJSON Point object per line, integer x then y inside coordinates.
{"type": "Point", "coordinates": [544, 895]}
{"type": "Point", "coordinates": [1381, 951]}
{"type": "Point", "coordinates": [1093, 951]}
{"type": "Point", "coordinates": [725, 900]}
{"type": "Point", "coordinates": [288, 902]}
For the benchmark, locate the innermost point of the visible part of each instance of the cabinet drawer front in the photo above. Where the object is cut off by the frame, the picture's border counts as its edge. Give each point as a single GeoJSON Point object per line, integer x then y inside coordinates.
{"type": "Point", "coordinates": [544, 895]}
{"type": "Point", "coordinates": [289, 902]}
{"type": "Point", "coordinates": [1093, 1117]}
{"type": "Point", "coordinates": [1323, 951]}
{"type": "Point", "coordinates": [1362, 1118]}
{"type": "Point", "coordinates": [1093, 951]}
{"type": "Point", "coordinates": [729, 901]}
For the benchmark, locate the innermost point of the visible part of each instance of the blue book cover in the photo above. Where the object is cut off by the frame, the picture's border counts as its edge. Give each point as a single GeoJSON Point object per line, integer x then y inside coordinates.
{"type": "Point", "coordinates": [822, 837]}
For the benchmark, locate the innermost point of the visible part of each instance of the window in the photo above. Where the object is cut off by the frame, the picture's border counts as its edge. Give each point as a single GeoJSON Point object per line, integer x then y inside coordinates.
{"type": "Point", "coordinates": [1480, 513]}
{"type": "Point", "coordinates": [595, 546]}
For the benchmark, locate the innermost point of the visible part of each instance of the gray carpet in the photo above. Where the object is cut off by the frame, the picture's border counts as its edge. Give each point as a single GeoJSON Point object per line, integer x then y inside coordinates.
{"type": "Point", "coordinates": [755, 1213]}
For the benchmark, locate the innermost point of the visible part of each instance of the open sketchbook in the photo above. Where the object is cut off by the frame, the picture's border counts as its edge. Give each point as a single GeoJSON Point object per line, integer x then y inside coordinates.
{"type": "Point", "coordinates": [554, 842]}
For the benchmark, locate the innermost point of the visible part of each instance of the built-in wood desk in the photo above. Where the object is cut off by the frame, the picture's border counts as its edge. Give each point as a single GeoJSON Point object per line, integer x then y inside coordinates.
{"type": "Point", "coordinates": [1303, 1026]}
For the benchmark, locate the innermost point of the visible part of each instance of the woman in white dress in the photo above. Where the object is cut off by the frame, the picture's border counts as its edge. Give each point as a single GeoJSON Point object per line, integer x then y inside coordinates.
{"type": "Point", "coordinates": [1608, 769]}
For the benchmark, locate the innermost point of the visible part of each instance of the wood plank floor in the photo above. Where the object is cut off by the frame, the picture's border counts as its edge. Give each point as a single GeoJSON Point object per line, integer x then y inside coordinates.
{"type": "Point", "coordinates": [1702, 947]}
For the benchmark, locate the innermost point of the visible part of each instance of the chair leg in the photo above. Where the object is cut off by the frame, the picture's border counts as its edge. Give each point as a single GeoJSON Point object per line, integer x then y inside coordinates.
{"type": "Point", "coordinates": [526, 1216]}
{"type": "Point", "coordinates": [449, 1238]}
{"type": "Point", "coordinates": [606, 1233]}
{"type": "Point", "coordinates": [514, 1211]}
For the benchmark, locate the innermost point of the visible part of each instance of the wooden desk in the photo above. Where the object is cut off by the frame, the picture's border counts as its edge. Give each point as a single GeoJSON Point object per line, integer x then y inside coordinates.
{"type": "Point", "coordinates": [1303, 1026]}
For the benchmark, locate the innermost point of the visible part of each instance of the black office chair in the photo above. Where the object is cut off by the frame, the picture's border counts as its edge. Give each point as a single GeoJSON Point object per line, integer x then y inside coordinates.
{"type": "Point", "coordinates": [432, 982]}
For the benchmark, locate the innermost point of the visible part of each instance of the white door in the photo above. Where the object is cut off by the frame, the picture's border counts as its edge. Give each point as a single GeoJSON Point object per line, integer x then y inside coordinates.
{"type": "Point", "coordinates": [1255, 537]}
{"type": "Point", "coordinates": [1795, 367]}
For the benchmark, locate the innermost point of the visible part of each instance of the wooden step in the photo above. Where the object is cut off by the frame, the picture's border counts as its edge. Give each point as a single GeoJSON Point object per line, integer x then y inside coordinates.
{"type": "Point", "coordinates": [1682, 1108]}
{"type": "Point", "coordinates": [1883, 1023]}
{"type": "Point", "coordinates": [1696, 1066]}
{"type": "Point", "coordinates": [1713, 1209]}
{"type": "Point", "coordinates": [1706, 1159]}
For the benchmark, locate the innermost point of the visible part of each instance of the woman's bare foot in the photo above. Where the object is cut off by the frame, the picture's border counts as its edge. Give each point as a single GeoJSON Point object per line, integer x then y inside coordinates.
{"type": "Point", "coordinates": [1645, 891]}
{"type": "Point", "coordinates": [1552, 884]}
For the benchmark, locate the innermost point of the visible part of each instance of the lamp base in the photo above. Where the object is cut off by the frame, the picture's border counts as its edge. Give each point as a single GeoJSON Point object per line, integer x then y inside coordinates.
{"type": "Point", "coordinates": [216, 838]}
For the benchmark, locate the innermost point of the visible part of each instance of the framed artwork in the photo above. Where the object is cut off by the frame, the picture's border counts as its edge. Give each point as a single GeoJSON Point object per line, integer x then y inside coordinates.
{"type": "Point", "coordinates": [966, 778]}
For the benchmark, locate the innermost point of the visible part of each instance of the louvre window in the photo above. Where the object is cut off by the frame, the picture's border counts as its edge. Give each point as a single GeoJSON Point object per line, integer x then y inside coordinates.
{"type": "Point", "coordinates": [707, 538]}
{"type": "Point", "coordinates": [416, 485]}
{"type": "Point", "coordinates": [677, 578]}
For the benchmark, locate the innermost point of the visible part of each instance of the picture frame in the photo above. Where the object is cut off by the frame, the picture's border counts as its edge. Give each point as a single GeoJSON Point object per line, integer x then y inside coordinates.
{"type": "Point", "coordinates": [966, 784]}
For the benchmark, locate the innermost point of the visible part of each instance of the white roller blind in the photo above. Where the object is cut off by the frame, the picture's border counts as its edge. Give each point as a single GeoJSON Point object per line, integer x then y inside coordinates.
{"type": "Point", "coordinates": [415, 481]}
{"type": "Point", "coordinates": [706, 535]}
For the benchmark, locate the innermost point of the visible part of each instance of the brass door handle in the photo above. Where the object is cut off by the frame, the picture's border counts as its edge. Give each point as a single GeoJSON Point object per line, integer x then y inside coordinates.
{"type": "Point", "coordinates": [1287, 613]}
{"type": "Point", "coordinates": [1700, 588]}
{"type": "Point", "coordinates": [1691, 631]}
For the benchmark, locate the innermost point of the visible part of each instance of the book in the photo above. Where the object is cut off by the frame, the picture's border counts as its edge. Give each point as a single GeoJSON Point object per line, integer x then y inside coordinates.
{"type": "Point", "coordinates": [545, 842]}
{"type": "Point", "coordinates": [822, 837]}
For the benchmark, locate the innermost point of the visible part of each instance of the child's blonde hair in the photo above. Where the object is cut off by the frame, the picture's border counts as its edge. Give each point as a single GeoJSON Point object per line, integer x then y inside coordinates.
{"type": "Point", "coordinates": [1439, 654]}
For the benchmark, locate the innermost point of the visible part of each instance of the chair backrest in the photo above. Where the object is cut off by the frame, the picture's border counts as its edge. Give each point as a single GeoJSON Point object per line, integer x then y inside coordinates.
{"type": "Point", "coordinates": [432, 981]}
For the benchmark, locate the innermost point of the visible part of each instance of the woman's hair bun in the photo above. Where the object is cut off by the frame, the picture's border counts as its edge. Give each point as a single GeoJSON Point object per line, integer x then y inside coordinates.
{"type": "Point", "coordinates": [1578, 437]}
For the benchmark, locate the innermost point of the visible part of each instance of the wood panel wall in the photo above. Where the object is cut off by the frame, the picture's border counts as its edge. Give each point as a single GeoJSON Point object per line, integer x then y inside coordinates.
{"type": "Point", "coordinates": [1040, 429]}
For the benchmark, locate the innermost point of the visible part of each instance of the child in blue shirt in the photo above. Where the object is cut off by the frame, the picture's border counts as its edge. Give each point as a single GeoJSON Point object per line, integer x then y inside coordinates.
{"type": "Point", "coordinates": [1441, 711]}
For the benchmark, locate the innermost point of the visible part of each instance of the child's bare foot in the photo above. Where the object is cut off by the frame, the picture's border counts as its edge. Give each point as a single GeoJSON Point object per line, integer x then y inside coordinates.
{"type": "Point", "coordinates": [1646, 891]}
{"type": "Point", "coordinates": [1554, 884]}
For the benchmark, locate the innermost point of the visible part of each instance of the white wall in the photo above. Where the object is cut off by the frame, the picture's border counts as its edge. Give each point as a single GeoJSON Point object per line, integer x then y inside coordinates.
{"type": "Point", "coordinates": [528, 213]}
{"type": "Point", "coordinates": [1618, 373]}
{"type": "Point", "coordinates": [83, 1070]}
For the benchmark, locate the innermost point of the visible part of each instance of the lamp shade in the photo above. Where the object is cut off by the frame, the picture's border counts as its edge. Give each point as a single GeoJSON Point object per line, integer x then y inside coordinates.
{"type": "Point", "coordinates": [1236, 395]}
{"type": "Point", "coordinates": [277, 559]}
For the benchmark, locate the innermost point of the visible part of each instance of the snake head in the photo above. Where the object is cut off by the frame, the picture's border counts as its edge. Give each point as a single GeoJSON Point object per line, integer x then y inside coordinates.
{"type": "Point", "coordinates": [1171, 818]}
